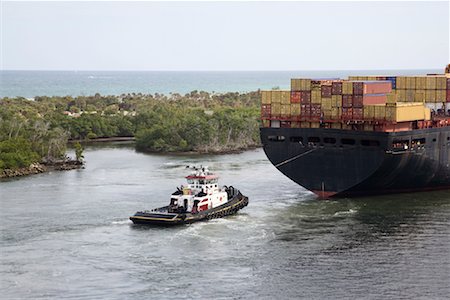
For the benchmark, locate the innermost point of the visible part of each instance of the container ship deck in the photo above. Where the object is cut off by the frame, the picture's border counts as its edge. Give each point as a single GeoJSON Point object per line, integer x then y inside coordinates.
{"type": "Point", "coordinates": [361, 136]}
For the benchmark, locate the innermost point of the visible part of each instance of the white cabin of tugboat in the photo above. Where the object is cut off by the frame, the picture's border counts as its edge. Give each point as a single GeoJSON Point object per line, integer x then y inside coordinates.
{"type": "Point", "coordinates": [201, 193]}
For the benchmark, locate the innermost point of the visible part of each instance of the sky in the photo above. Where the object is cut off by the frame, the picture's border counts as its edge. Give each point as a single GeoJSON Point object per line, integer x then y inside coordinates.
{"type": "Point", "coordinates": [224, 35]}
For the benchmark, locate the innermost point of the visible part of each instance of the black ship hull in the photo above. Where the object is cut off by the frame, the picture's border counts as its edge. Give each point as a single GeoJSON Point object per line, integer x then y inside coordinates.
{"type": "Point", "coordinates": [335, 162]}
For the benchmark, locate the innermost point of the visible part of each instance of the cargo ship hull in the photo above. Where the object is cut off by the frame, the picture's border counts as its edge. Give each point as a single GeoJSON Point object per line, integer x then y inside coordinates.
{"type": "Point", "coordinates": [346, 163]}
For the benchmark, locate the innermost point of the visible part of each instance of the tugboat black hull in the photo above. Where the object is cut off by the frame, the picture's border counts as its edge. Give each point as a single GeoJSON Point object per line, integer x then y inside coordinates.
{"type": "Point", "coordinates": [160, 216]}
{"type": "Point", "coordinates": [334, 162]}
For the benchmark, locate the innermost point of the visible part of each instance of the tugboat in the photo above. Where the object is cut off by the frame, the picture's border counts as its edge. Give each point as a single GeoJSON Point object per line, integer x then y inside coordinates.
{"type": "Point", "coordinates": [201, 199]}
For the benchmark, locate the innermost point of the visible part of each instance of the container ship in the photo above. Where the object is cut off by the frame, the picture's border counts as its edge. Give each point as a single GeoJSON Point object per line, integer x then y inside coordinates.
{"type": "Point", "coordinates": [359, 136]}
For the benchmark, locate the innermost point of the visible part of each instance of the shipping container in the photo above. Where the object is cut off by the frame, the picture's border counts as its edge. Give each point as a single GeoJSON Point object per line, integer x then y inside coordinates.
{"type": "Point", "coordinates": [266, 97]}
{"type": "Point", "coordinates": [305, 110]}
{"type": "Point", "coordinates": [347, 100]}
{"type": "Point", "coordinates": [369, 112]}
{"type": "Point", "coordinates": [285, 124]}
{"type": "Point", "coordinates": [372, 99]}
{"type": "Point", "coordinates": [295, 124]}
{"type": "Point", "coordinates": [315, 125]}
{"type": "Point", "coordinates": [430, 82]}
{"type": "Point", "coordinates": [285, 110]}
{"type": "Point", "coordinates": [336, 100]}
{"type": "Point", "coordinates": [401, 82]}
{"type": "Point", "coordinates": [336, 125]}
{"type": "Point", "coordinates": [393, 81]}
{"type": "Point", "coordinates": [327, 113]}
{"type": "Point", "coordinates": [316, 96]}
{"type": "Point", "coordinates": [285, 97]}
{"type": "Point", "coordinates": [347, 113]}
{"type": "Point", "coordinates": [419, 96]}
{"type": "Point", "coordinates": [316, 110]}
{"type": "Point", "coordinates": [358, 113]}
{"type": "Point", "coordinates": [276, 96]}
{"type": "Point", "coordinates": [430, 96]}
{"type": "Point", "coordinates": [357, 101]}
{"type": "Point", "coordinates": [275, 123]}
{"type": "Point", "coordinates": [410, 82]}
{"type": "Point", "coordinates": [404, 112]}
{"type": "Point", "coordinates": [275, 110]}
{"type": "Point", "coordinates": [448, 96]}
{"type": "Point", "coordinates": [296, 96]}
{"type": "Point", "coordinates": [377, 87]}
{"type": "Point", "coordinates": [265, 123]}
{"type": "Point", "coordinates": [421, 82]}
{"type": "Point", "coordinates": [336, 88]}
{"type": "Point", "coordinates": [441, 82]}
{"type": "Point", "coordinates": [295, 109]}
{"type": "Point", "coordinates": [391, 97]}
{"type": "Point", "coordinates": [347, 87]}
{"type": "Point", "coordinates": [326, 91]}
{"type": "Point", "coordinates": [358, 87]}
{"type": "Point", "coordinates": [327, 103]}
{"type": "Point", "coordinates": [380, 112]}
{"type": "Point", "coordinates": [335, 113]}
{"type": "Point", "coordinates": [441, 96]}
{"type": "Point", "coordinates": [305, 125]}
{"type": "Point", "coordinates": [410, 95]}
{"type": "Point", "coordinates": [265, 110]}
{"type": "Point", "coordinates": [305, 97]}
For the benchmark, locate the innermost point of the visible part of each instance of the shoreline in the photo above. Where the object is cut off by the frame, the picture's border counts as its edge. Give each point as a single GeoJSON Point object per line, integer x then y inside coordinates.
{"type": "Point", "coordinates": [39, 168]}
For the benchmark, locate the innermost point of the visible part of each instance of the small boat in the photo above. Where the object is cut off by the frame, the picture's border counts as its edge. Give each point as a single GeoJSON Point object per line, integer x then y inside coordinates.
{"type": "Point", "coordinates": [201, 199]}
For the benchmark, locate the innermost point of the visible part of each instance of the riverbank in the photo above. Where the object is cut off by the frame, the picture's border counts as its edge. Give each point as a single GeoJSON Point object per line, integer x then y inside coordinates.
{"type": "Point", "coordinates": [37, 168]}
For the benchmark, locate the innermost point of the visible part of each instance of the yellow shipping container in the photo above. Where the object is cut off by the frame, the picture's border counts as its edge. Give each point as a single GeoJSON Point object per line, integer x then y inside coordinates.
{"type": "Point", "coordinates": [401, 82]}
{"type": "Point", "coordinates": [335, 113]}
{"type": "Point", "coordinates": [430, 96]}
{"type": "Point", "coordinates": [285, 97]}
{"type": "Point", "coordinates": [327, 103]}
{"type": "Point", "coordinates": [275, 109]}
{"type": "Point", "coordinates": [347, 87]}
{"type": "Point", "coordinates": [347, 127]}
{"type": "Point", "coordinates": [295, 84]}
{"type": "Point", "coordinates": [353, 78]}
{"type": "Point", "coordinates": [276, 96]}
{"type": "Point", "coordinates": [431, 83]}
{"type": "Point", "coordinates": [421, 82]}
{"type": "Point", "coordinates": [419, 96]}
{"type": "Point", "coordinates": [391, 97]}
{"type": "Point", "coordinates": [315, 125]}
{"type": "Point", "coordinates": [285, 110]}
{"type": "Point", "coordinates": [336, 100]}
{"type": "Point", "coordinates": [380, 112]}
{"type": "Point", "coordinates": [401, 95]}
{"type": "Point", "coordinates": [371, 78]}
{"type": "Point", "coordinates": [441, 82]}
{"type": "Point", "coordinates": [440, 96]}
{"type": "Point", "coordinates": [410, 82]}
{"type": "Point", "coordinates": [305, 84]}
{"type": "Point", "coordinates": [404, 112]}
{"type": "Point", "coordinates": [295, 109]}
{"type": "Point", "coordinates": [327, 113]}
{"type": "Point", "coordinates": [305, 125]}
{"type": "Point", "coordinates": [410, 95]}
{"type": "Point", "coordinates": [369, 112]}
{"type": "Point", "coordinates": [316, 96]}
{"type": "Point", "coordinates": [266, 97]}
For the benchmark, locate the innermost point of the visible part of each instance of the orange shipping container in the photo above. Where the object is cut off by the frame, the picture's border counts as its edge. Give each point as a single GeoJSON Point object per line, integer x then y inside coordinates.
{"type": "Point", "coordinates": [377, 87]}
{"type": "Point", "coordinates": [373, 99]}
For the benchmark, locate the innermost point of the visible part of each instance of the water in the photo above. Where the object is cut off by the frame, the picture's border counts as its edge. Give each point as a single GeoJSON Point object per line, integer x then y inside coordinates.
{"type": "Point", "coordinates": [61, 83]}
{"type": "Point", "coordinates": [66, 235]}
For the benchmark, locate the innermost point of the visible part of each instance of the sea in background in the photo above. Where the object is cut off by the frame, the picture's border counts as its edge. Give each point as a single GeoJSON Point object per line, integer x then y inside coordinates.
{"type": "Point", "coordinates": [85, 83]}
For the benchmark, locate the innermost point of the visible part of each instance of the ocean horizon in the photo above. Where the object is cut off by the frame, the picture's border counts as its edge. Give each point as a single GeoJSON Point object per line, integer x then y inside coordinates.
{"type": "Point", "coordinates": [29, 84]}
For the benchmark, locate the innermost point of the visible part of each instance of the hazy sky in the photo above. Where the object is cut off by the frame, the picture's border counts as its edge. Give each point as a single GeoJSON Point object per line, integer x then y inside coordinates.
{"type": "Point", "coordinates": [224, 36]}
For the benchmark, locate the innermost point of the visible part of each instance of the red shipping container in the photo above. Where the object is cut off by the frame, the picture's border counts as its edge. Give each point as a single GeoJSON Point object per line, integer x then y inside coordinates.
{"type": "Point", "coordinates": [316, 110]}
{"type": "Point", "coordinates": [448, 95]}
{"type": "Point", "coordinates": [357, 101]}
{"type": "Point", "coordinates": [336, 88]}
{"type": "Point", "coordinates": [358, 87]}
{"type": "Point", "coordinates": [381, 78]}
{"type": "Point", "coordinates": [448, 83]}
{"type": "Point", "coordinates": [305, 110]}
{"type": "Point", "coordinates": [347, 113]}
{"type": "Point", "coordinates": [265, 110]}
{"type": "Point", "coordinates": [295, 97]}
{"type": "Point", "coordinates": [371, 99]}
{"type": "Point", "coordinates": [347, 100]}
{"type": "Point", "coordinates": [326, 91]}
{"type": "Point", "coordinates": [377, 87]}
{"type": "Point", "coordinates": [358, 113]}
{"type": "Point", "coordinates": [305, 97]}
